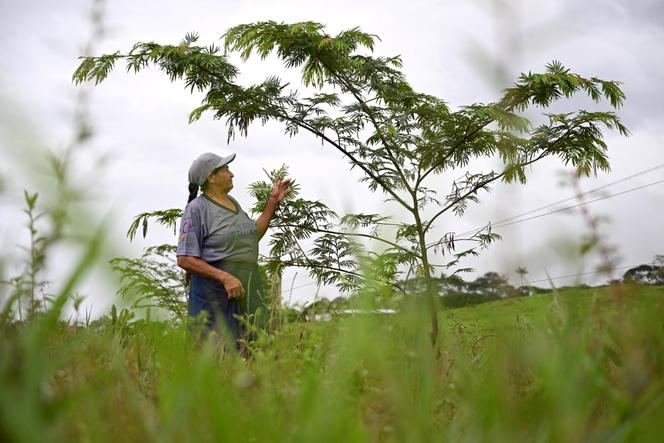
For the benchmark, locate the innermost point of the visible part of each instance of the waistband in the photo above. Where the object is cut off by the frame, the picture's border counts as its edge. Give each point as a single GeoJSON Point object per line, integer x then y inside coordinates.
{"type": "Point", "coordinates": [223, 263]}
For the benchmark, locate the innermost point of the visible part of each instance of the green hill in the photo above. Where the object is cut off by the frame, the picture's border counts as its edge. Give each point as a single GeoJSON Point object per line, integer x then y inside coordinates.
{"type": "Point", "coordinates": [537, 308]}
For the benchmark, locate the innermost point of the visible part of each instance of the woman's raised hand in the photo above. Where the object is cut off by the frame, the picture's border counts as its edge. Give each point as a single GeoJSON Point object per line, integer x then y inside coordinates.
{"type": "Point", "coordinates": [281, 189]}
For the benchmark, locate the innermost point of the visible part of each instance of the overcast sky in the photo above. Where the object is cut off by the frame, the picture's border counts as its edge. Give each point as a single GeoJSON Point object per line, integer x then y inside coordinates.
{"type": "Point", "coordinates": [463, 52]}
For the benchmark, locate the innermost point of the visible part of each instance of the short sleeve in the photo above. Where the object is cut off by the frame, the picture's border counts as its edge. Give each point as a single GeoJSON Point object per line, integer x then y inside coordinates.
{"type": "Point", "coordinates": [190, 239]}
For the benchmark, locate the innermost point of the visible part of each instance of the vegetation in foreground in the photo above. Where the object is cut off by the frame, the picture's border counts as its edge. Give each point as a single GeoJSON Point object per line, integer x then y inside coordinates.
{"type": "Point", "coordinates": [579, 365]}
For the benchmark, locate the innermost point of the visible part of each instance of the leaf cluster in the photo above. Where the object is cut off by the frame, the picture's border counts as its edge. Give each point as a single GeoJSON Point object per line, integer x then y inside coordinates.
{"type": "Point", "coordinates": [153, 280]}
{"type": "Point", "coordinates": [167, 217]}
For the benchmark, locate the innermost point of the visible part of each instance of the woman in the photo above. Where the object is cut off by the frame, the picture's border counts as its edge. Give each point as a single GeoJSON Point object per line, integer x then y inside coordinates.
{"type": "Point", "coordinates": [218, 246]}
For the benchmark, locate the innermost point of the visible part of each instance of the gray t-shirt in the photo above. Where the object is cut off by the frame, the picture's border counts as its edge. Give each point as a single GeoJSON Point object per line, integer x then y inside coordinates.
{"type": "Point", "coordinates": [213, 232]}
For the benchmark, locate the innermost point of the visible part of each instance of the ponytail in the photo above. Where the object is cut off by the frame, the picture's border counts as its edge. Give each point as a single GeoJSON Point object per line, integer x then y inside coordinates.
{"type": "Point", "coordinates": [193, 192]}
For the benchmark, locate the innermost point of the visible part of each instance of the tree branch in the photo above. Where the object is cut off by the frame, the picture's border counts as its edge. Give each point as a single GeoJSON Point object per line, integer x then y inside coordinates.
{"type": "Point", "coordinates": [467, 136]}
{"type": "Point", "coordinates": [371, 116]}
{"type": "Point", "coordinates": [486, 182]}
{"type": "Point", "coordinates": [478, 187]}
{"type": "Point", "coordinates": [284, 115]}
{"type": "Point", "coordinates": [354, 160]}
{"type": "Point", "coordinates": [354, 234]}
{"type": "Point", "coordinates": [345, 271]}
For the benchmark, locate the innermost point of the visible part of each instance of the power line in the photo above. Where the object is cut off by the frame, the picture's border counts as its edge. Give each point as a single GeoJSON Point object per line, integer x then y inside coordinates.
{"type": "Point", "coordinates": [580, 204]}
{"type": "Point", "coordinates": [580, 274]}
{"type": "Point", "coordinates": [645, 171]}
{"type": "Point", "coordinates": [501, 225]}
{"type": "Point", "coordinates": [582, 194]}
{"type": "Point", "coordinates": [298, 287]}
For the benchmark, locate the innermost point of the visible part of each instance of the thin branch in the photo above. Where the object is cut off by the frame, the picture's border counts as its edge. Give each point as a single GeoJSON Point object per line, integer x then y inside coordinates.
{"type": "Point", "coordinates": [442, 161]}
{"type": "Point", "coordinates": [355, 234]}
{"type": "Point", "coordinates": [354, 160]}
{"type": "Point", "coordinates": [345, 271]}
{"type": "Point", "coordinates": [476, 188]}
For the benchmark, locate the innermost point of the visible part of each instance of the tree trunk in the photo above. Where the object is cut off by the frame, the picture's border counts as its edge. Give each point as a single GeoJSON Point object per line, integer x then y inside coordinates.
{"type": "Point", "coordinates": [430, 294]}
{"type": "Point", "coordinates": [430, 287]}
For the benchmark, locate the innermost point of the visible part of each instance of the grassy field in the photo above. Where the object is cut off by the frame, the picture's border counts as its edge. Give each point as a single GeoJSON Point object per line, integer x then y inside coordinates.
{"type": "Point", "coordinates": [579, 365]}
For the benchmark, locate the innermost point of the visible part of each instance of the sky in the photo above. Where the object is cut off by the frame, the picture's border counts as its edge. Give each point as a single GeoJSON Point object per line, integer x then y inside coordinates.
{"type": "Point", "coordinates": [464, 52]}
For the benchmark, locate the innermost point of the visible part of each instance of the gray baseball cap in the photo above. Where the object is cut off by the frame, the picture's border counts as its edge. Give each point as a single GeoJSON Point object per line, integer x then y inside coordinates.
{"type": "Point", "coordinates": [206, 163]}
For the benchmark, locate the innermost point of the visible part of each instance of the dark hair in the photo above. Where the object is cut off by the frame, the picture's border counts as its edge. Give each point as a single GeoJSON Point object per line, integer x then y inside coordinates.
{"type": "Point", "coordinates": [193, 192]}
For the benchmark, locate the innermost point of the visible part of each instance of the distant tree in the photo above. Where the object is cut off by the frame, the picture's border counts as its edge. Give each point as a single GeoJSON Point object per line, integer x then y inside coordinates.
{"type": "Point", "coordinates": [451, 284]}
{"type": "Point", "coordinates": [647, 274]}
{"type": "Point", "coordinates": [492, 285]}
{"type": "Point", "coordinates": [363, 107]}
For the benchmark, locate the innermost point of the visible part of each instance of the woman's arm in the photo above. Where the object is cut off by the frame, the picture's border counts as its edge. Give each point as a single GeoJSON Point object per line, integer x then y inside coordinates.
{"type": "Point", "coordinates": [279, 191]}
{"type": "Point", "coordinates": [195, 265]}
{"type": "Point", "coordinates": [263, 222]}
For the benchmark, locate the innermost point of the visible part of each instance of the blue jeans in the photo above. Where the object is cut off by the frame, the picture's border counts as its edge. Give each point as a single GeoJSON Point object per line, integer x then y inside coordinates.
{"type": "Point", "coordinates": [221, 313]}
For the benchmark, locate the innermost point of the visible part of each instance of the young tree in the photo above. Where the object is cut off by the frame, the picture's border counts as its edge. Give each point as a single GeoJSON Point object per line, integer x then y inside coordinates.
{"type": "Point", "coordinates": [398, 138]}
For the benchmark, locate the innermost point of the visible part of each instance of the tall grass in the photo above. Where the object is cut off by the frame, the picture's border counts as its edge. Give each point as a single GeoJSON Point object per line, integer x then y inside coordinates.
{"type": "Point", "coordinates": [578, 369]}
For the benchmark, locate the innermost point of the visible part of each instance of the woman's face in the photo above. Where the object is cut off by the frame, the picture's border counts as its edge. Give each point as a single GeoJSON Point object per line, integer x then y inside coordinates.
{"type": "Point", "coordinates": [221, 179]}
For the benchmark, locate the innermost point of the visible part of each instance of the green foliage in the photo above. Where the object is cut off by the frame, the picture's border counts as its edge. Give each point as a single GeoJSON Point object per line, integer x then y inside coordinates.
{"type": "Point", "coordinates": [330, 260]}
{"type": "Point", "coordinates": [410, 135]}
{"type": "Point", "coordinates": [27, 284]}
{"type": "Point", "coordinates": [558, 82]}
{"type": "Point", "coordinates": [168, 218]}
{"type": "Point", "coordinates": [153, 281]}
{"type": "Point", "coordinates": [333, 257]}
{"type": "Point", "coordinates": [24, 295]}
{"type": "Point", "coordinates": [302, 44]}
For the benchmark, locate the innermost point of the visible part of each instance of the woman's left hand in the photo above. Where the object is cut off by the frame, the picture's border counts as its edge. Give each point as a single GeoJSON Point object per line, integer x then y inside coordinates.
{"type": "Point", "coordinates": [281, 189]}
